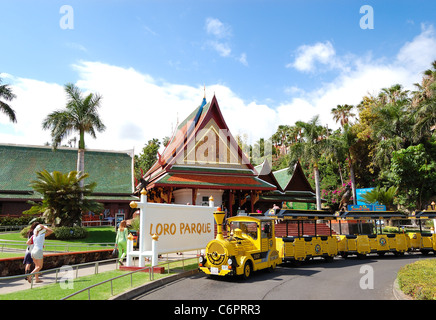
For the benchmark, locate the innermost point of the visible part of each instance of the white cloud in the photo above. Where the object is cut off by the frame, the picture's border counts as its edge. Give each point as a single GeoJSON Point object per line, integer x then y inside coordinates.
{"type": "Point", "coordinates": [222, 48]}
{"type": "Point", "coordinates": [34, 101]}
{"type": "Point", "coordinates": [217, 28]}
{"type": "Point", "coordinates": [417, 53]}
{"type": "Point", "coordinates": [137, 107]}
{"type": "Point", "coordinates": [221, 33]}
{"type": "Point", "coordinates": [243, 59]}
{"type": "Point", "coordinates": [308, 55]}
{"type": "Point", "coordinates": [358, 76]}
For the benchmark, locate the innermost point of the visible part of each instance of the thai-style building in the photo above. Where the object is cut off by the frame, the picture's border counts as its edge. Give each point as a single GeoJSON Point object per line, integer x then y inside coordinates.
{"type": "Point", "coordinates": [111, 170]}
{"type": "Point", "coordinates": [203, 159]}
{"type": "Point", "coordinates": [293, 189]}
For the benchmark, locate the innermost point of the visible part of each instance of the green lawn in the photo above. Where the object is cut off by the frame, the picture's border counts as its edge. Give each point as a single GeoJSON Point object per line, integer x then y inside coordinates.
{"type": "Point", "coordinates": [418, 279]}
{"type": "Point", "coordinates": [102, 292]}
{"type": "Point", "coordinates": [95, 235]}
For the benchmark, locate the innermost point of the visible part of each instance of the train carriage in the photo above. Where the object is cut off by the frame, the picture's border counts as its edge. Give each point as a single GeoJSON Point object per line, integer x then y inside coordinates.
{"type": "Point", "coordinates": [424, 242]}
{"type": "Point", "coordinates": [363, 244]}
{"type": "Point", "coordinates": [304, 247]}
{"type": "Point", "coordinates": [251, 243]}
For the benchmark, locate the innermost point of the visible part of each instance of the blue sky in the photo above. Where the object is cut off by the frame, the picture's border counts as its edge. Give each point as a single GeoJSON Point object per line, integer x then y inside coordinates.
{"type": "Point", "coordinates": [268, 62]}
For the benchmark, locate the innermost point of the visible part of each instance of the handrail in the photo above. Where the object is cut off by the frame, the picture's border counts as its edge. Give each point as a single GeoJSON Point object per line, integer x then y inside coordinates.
{"type": "Point", "coordinates": [12, 227]}
{"type": "Point", "coordinates": [96, 263]}
{"type": "Point", "coordinates": [151, 277]}
{"type": "Point", "coordinates": [11, 243]}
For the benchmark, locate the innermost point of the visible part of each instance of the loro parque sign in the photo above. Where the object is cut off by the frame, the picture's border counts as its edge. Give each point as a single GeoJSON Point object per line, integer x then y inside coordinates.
{"type": "Point", "coordinates": [177, 227]}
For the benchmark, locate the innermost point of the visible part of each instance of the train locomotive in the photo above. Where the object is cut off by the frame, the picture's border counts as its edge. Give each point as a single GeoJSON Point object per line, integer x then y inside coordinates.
{"type": "Point", "coordinates": [251, 246]}
{"type": "Point", "coordinates": [251, 243]}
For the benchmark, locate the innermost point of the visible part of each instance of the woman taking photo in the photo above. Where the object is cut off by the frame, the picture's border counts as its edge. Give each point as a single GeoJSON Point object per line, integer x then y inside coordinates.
{"type": "Point", "coordinates": [37, 253]}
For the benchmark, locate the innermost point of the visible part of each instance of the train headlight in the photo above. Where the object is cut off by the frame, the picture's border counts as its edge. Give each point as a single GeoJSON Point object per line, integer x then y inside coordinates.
{"type": "Point", "coordinates": [201, 259]}
{"type": "Point", "coordinates": [230, 261]}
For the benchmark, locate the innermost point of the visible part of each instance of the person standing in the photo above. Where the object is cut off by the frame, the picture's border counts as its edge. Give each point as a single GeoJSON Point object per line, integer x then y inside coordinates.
{"type": "Point", "coordinates": [28, 257]}
{"type": "Point", "coordinates": [121, 241]}
{"type": "Point", "coordinates": [37, 252]}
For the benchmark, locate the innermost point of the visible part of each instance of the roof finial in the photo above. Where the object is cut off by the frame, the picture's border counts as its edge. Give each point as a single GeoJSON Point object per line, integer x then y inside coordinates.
{"type": "Point", "coordinates": [204, 91]}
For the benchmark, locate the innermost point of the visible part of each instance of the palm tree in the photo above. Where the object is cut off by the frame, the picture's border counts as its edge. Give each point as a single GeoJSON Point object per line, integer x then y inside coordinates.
{"type": "Point", "coordinates": [80, 115]}
{"type": "Point", "coordinates": [424, 103]}
{"type": "Point", "coordinates": [393, 126]}
{"type": "Point", "coordinates": [6, 94]}
{"type": "Point", "coordinates": [310, 149]}
{"type": "Point", "coordinates": [63, 198]}
{"type": "Point", "coordinates": [342, 145]}
{"type": "Point", "coordinates": [343, 113]}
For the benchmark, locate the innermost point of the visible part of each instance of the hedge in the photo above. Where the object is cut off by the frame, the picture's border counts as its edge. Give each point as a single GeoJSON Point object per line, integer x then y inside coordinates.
{"type": "Point", "coordinates": [63, 233]}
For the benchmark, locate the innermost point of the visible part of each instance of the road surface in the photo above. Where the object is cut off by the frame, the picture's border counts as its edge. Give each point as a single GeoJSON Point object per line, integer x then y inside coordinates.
{"type": "Point", "coordinates": [343, 279]}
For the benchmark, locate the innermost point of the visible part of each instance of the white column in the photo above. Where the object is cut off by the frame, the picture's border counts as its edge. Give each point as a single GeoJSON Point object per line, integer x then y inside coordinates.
{"type": "Point", "coordinates": [155, 256]}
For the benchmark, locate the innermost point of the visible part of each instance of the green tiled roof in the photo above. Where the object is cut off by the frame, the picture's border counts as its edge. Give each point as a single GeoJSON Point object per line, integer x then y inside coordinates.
{"type": "Point", "coordinates": [283, 176]}
{"type": "Point", "coordinates": [111, 170]}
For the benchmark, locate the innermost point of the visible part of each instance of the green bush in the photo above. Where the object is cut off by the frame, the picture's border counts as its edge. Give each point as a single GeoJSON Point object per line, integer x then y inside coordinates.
{"type": "Point", "coordinates": [15, 221]}
{"type": "Point", "coordinates": [63, 233]}
{"type": "Point", "coordinates": [419, 279]}
{"type": "Point", "coordinates": [67, 233]}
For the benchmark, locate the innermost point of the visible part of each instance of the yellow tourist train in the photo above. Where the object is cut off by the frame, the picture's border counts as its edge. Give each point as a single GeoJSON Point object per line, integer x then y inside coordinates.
{"type": "Point", "coordinates": [251, 243]}
{"type": "Point", "coordinates": [251, 246]}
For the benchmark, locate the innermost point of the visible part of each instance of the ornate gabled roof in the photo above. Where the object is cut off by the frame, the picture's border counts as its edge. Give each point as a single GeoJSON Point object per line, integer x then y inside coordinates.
{"type": "Point", "coordinates": [265, 173]}
{"type": "Point", "coordinates": [298, 181]}
{"type": "Point", "coordinates": [201, 146]}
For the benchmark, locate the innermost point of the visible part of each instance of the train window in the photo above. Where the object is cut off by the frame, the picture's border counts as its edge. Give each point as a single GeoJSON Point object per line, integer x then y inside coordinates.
{"type": "Point", "coordinates": [266, 229]}
{"type": "Point", "coordinates": [247, 228]}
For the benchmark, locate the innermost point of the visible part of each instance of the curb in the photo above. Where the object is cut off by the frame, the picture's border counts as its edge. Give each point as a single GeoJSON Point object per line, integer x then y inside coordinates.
{"type": "Point", "coordinates": [128, 295]}
{"type": "Point", "coordinates": [398, 294]}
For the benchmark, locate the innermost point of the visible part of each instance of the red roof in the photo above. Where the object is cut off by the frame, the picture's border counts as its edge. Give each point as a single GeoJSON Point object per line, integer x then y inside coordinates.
{"type": "Point", "coordinates": [181, 144]}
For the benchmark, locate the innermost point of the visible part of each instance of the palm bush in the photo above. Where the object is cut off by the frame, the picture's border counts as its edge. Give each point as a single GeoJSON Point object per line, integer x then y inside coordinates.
{"type": "Point", "coordinates": [64, 199]}
{"type": "Point", "coordinates": [381, 195]}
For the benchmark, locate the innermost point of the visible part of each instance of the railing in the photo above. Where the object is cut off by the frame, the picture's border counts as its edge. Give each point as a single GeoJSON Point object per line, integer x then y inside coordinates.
{"type": "Point", "coordinates": [12, 228]}
{"type": "Point", "coordinates": [51, 247]}
{"type": "Point", "coordinates": [57, 270]}
{"type": "Point", "coordinates": [150, 271]}
{"type": "Point", "coordinates": [96, 223]}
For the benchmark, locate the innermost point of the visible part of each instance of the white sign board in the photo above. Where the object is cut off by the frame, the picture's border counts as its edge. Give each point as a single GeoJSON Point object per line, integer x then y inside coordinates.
{"type": "Point", "coordinates": [178, 227]}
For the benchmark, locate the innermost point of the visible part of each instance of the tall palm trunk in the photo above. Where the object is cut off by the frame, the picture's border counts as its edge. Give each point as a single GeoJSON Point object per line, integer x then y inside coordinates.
{"type": "Point", "coordinates": [81, 158]}
{"type": "Point", "coordinates": [353, 182]}
{"type": "Point", "coordinates": [317, 189]}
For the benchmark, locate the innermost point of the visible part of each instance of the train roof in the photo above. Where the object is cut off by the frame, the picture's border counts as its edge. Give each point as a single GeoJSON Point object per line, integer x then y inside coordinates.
{"type": "Point", "coordinates": [368, 215]}
{"type": "Point", "coordinates": [425, 214]}
{"type": "Point", "coordinates": [299, 214]}
{"type": "Point", "coordinates": [251, 216]}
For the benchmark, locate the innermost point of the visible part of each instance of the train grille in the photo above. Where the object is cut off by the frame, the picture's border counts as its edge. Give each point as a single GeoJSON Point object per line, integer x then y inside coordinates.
{"type": "Point", "coordinates": [216, 253]}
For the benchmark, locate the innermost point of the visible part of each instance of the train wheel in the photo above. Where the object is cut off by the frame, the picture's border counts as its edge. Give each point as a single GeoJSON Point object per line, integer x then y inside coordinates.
{"type": "Point", "coordinates": [247, 270]}
{"type": "Point", "coordinates": [272, 267]}
{"type": "Point", "coordinates": [329, 258]}
{"type": "Point", "coordinates": [361, 256]}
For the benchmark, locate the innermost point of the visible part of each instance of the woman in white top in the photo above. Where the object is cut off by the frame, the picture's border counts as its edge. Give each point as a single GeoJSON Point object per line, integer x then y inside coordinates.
{"type": "Point", "coordinates": [38, 238]}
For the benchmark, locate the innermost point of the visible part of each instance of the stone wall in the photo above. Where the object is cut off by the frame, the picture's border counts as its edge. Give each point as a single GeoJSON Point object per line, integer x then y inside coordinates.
{"type": "Point", "coordinates": [15, 266]}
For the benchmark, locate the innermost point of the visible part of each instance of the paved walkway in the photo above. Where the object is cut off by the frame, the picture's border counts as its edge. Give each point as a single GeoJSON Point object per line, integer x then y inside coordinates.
{"type": "Point", "coordinates": [13, 285]}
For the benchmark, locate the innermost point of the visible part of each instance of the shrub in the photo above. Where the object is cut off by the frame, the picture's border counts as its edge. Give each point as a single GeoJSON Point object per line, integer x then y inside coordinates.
{"type": "Point", "coordinates": [419, 279]}
{"type": "Point", "coordinates": [63, 233]}
{"type": "Point", "coordinates": [15, 221]}
{"type": "Point", "coordinates": [66, 233]}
